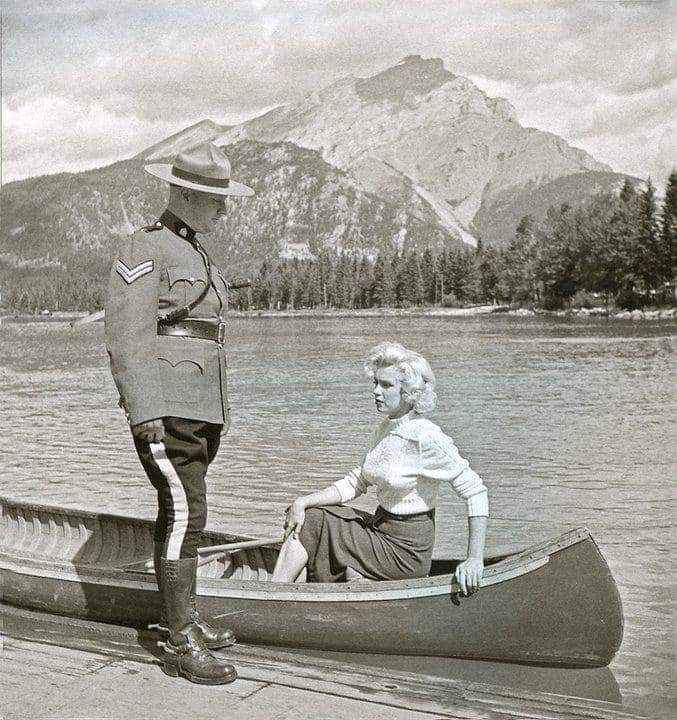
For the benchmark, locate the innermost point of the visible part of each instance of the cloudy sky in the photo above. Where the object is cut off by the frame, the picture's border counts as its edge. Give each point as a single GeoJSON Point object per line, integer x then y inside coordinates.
{"type": "Point", "coordinates": [88, 82]}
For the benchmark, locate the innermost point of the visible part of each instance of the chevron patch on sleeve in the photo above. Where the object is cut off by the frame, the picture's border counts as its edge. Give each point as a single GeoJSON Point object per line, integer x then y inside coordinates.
{"type": "Point", "coordinates": [131, 274]}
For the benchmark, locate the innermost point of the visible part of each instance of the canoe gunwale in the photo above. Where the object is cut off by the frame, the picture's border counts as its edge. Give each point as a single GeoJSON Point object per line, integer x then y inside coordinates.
{"type": "Point", "coordinates": [22, 560]}
{"type": "Point", "coordinates": [258, 590]}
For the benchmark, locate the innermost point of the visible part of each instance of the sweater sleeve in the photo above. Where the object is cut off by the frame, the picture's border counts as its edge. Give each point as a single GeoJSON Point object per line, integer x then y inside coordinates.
{"type": "Point", "coordinates": [352, 485]}
{"type": "Point", "coordinates": [440, 460]}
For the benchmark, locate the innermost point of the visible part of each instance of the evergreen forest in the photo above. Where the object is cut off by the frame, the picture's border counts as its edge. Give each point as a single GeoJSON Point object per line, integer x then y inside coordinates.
{"type": "Point", "coordinates": [616, 249]}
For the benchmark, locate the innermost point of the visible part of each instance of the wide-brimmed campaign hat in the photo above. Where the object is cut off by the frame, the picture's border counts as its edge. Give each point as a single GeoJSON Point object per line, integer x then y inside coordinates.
{"type": "Point", "coordinates": [204, 167]}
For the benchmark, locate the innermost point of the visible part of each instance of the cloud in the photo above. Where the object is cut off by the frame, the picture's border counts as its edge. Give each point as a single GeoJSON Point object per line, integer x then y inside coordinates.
{"type": "Point", "coordinates": [597, 73]}
{"type": "Point", "coordinates": [38, 129]}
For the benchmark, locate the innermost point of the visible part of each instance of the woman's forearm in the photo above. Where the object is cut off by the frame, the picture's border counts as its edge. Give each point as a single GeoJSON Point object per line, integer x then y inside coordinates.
{"type": "Point", "coordinates": [477, 532]}
{"type": "Point", "coordinates": [329, 496]}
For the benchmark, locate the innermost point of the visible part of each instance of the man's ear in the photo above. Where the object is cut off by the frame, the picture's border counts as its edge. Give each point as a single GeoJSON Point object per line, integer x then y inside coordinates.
{"type": "Point", "coordinates": [187, 194]}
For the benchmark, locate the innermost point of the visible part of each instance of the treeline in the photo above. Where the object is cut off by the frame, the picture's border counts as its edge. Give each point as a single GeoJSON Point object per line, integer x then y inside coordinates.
{"type": "Point", "coordinates": [617, 248]}
{"type": "Point", "coordinates": [52, 288]}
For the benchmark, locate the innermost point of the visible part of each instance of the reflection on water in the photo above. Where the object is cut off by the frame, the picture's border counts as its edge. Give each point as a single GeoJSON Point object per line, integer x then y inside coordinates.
{"type": "Point", "coordinates": [570, 423]}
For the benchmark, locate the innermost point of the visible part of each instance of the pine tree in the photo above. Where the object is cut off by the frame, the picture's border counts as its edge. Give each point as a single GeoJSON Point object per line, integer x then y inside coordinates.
{"type": "Point", "coordinates": [261, 289]}
{"type": "Point", "coordinates": [489, 265]}
{"type": "Point", "coordinates": [428, 262]}
{"type": "Point", "coordinates": [649, 261]}
{"type": "Point", "coordinates": [411, 280]}
{"type": "Point", "coordinates": [625, 228]}
{"type": "Point", "coordinates": [365, 287]}
{"type": "Point", "coordinates": [601, 242]}
{"type": "Point", "coordinates": [312, 287]}
{"type": "Point", "coordinates": [558, 261]}
{"type": "Point", "coordinates": [520, 276]}
{"type": "Point", "coordinates": [384, 284]}
{"type": "Point", "coordinates": [326, 273]}
{"type": "Point", "coordinates": [669, 232]}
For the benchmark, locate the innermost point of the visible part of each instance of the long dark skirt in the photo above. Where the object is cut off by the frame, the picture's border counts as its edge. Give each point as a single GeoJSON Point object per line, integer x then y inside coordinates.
{"type": "Point", "coordinates": [379, 546]}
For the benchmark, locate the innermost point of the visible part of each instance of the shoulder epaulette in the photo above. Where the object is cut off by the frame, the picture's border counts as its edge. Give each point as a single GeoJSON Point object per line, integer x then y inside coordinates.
{"type": "Point", "coordinates": [151, 228]}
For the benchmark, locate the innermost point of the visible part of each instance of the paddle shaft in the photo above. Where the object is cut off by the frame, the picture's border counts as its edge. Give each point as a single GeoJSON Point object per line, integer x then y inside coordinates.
{"type": "Point", "coordinates": [242, 545]}
{"type": "Point", "coordinates": [93, 317]}
{"type": "Point", "coordinates": [212, 552]}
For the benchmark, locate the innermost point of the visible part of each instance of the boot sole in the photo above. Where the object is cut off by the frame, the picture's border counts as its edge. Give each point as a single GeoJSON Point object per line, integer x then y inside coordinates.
{"type": "Point", "coordinates": [174, 671]}
{"type": "Point", "coordinates": [221, 647]}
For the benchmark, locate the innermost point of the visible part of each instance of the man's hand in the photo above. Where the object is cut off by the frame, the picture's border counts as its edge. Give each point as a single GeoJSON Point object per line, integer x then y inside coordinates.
{"type": "Point", "coordinates": [152, 431]}
{"type": "Point", "coordinates": [468, 575]}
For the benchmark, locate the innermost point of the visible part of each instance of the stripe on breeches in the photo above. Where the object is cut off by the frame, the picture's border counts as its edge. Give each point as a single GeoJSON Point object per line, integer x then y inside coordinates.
{"type": "Point", "coordinates": [179, 501]}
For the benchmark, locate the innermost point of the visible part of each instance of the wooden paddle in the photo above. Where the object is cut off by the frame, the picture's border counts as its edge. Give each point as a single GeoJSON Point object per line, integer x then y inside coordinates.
{"type": "Point", "coordinates": [93, 317]}
{"type": "Point", "coordinates": [211, 552]}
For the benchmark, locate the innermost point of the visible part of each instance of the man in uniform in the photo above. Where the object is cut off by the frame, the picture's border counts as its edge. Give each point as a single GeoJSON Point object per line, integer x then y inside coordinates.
{"type": "Point", "coordinates": [164, 335]}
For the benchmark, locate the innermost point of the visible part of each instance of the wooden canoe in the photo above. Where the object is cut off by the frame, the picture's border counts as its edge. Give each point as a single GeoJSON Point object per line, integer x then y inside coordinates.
{"type": "Point", "coordinates": [554, 603]}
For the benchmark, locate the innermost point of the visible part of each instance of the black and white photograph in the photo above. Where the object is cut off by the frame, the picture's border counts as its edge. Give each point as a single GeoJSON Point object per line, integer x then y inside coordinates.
{"type": "Point", "coordinates": [337, 359]}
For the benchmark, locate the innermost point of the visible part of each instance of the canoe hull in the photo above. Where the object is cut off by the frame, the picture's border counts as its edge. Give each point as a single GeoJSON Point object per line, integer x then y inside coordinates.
{"type": "Point", "coordinates": [563, 610]}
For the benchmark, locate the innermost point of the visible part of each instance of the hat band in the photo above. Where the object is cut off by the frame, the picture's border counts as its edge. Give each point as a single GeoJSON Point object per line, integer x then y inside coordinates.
{"type": "Point", "coordinates": [200, 179]}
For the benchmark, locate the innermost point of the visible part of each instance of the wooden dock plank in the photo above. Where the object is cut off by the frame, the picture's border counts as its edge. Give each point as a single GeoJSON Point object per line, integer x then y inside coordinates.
{"type": "Point", "coordinates": [268, 667]}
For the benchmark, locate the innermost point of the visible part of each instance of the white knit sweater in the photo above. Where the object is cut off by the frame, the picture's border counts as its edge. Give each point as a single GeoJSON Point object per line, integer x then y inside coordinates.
{"type": "Point", "coordinates": [406, 461]}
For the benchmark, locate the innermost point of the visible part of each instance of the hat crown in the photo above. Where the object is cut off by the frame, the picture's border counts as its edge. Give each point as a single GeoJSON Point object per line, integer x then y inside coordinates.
{"type": "Point", "coordinates": [205, 160]}
{"type": "Point", "coordinates": [204, 168]}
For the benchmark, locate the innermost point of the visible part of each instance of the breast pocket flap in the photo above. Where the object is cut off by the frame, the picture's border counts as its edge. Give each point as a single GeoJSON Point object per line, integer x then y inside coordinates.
{"type": "Point", "coordinates": [185, 276]}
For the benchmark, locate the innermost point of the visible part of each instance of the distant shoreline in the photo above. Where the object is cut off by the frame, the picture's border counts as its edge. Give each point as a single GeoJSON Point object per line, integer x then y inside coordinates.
{"type": "Point", "coordinates": [436, 312]}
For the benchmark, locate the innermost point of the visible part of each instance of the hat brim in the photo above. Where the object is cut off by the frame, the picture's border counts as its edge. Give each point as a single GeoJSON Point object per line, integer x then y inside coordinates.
{"type": "Point", "coordinates": [164, 172]}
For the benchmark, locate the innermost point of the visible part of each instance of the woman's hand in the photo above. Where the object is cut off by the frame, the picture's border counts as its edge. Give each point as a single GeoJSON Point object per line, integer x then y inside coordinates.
{"type": "Point", "coordinates": [295, 517]}
{"type": "Point", "coordinates": [468, 575]}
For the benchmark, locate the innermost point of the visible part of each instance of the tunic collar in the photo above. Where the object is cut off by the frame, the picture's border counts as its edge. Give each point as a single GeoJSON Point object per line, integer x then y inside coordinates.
{"type": "Point", "coordinates": [177, 226]}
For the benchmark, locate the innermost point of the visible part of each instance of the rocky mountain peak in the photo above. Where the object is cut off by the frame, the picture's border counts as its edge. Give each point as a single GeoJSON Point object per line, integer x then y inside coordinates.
{"type": "Point", "coordinates": [202, 131]}
{"type": "Point", "coordinates": [413, 75]}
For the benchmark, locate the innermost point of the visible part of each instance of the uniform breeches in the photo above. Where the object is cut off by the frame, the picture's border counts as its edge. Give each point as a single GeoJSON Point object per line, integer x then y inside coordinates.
{"type": "Point", "coordinates": [177, 467]}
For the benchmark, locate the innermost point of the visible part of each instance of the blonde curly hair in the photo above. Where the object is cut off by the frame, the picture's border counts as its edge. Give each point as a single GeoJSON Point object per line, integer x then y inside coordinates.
{"type": "Point", "coordinates": [415, 373]}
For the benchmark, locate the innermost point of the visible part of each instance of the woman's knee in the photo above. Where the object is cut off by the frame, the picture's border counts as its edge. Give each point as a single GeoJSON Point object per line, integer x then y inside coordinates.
{"type": "Point", "coordinates": [312, 525]}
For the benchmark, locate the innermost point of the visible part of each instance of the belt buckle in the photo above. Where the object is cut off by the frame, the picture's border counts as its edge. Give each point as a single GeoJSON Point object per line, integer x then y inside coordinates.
{"type": "Point", "coordinates": [221, 333]}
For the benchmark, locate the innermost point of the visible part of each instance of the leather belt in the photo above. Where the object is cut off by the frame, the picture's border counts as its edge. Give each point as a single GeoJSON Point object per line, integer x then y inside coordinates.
{"type": "Point", "coordinates": [214, 330]}
{"type": "Point", "coordinates": [414, 516]}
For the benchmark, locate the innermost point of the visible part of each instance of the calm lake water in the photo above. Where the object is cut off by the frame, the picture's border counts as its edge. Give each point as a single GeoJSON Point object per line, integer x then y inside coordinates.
{"type": "Point", "coordinates": [570, 422]}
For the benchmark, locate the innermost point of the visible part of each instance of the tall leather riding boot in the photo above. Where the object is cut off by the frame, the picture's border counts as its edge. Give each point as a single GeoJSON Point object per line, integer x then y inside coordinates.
{"type": "Point", "coordinates": [161, 625]}
{"type": "Point", "coordinates": [215, 638]}
{"type": "Point", "coordinates": [185, 653]}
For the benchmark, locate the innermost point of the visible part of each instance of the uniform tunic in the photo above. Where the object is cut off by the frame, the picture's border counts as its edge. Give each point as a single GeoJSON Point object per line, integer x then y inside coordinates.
{"type": "Point", "coordinates": [156, 271]}
{"type": "Point", "coordinates": [179, 379]}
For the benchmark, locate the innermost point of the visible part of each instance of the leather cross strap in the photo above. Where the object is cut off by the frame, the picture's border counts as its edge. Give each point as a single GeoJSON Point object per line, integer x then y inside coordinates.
{"type": "Point", "coordinates": [195, 328]}
{"type": "Point", "coordinates": [182, 313]}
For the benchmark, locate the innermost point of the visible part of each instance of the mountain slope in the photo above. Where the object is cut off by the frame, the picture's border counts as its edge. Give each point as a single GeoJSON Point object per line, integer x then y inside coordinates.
{"type": "Point", "coordinates": [302, 205]}
{"type": "Point", "coordinates": [434, 128]}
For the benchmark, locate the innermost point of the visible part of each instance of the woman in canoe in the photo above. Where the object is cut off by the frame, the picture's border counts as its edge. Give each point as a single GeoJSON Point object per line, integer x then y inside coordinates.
{"type": "Point", "coordinates": [406, 460]}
